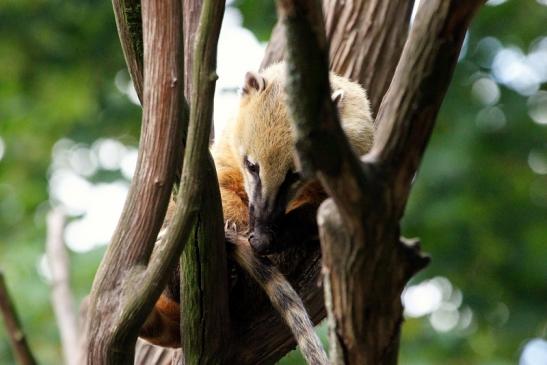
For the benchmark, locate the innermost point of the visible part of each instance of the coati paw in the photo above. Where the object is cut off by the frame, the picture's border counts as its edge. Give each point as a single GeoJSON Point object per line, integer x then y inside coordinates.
{"type": "Point", "coordinates": [231, 232]}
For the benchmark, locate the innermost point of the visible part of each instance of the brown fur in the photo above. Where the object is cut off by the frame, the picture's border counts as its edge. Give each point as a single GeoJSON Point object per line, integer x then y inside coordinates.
{"type": "Point", "coordinates": [262, 131]}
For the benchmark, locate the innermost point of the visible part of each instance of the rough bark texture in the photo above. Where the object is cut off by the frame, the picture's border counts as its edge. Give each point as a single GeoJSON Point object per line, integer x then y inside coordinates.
{"type": "Point", "coordinates": [205, 315]}
{"type": "Point", "coordinates": [127, 284]}
{"type": "Point", "coordinates": [18, 340]}
{"type": "Point", "coordinates": [148, 354]}
{"type": "Point", "coordinates": [191, 10]}
{"type": "Point", "coordinates": [365, 263]}
{"type": "Point", "coordinates": [366, 39]}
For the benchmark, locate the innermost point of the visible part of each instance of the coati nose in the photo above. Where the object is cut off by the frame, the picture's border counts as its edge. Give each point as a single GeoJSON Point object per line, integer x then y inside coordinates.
{"type": "Point", "coordinates": [261, 242]}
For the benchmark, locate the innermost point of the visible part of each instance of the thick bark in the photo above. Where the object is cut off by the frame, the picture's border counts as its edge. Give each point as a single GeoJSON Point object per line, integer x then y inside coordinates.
{"type": "Point", "coordinates": [18, 340]}
{"type": "Point", "coordinates": [365, 37]}
{"type": "Point", "coordinates": [128, 282]}
{"type": "Point", "coordinates": [365, 263]}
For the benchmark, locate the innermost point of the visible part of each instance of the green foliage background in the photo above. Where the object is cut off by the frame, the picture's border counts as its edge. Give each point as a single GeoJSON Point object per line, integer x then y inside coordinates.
{"type": "Point", "coordinates": [479, 209]}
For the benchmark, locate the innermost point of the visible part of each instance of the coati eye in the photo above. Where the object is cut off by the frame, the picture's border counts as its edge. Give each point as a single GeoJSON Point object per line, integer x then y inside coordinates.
{"type": "Point", "coordinates": [251, 167]}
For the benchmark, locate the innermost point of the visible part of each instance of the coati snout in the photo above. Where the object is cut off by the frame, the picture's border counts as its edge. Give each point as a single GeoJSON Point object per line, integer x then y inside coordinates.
{"type": "Point", "coordinates": [267, 208]}
{"type": "Point", "coordinates": [261, 240]}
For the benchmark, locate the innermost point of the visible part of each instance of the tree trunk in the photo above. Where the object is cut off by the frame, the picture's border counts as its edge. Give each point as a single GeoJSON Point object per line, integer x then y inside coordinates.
{"type": "Point", "coordinates": [366, 39]}
{"type": "Point", "coordinates": [365, 263]}
{"type": "Point", "coordinates": [252, 342]}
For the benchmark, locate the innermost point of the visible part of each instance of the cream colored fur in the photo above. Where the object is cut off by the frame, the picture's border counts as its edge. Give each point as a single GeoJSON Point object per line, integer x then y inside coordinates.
{"type": "Point", "coordinates": [262, 129]}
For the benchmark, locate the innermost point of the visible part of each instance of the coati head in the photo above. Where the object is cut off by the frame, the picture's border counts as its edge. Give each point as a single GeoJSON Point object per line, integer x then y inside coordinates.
{"type": "Point", "coordinates": [263, 142]}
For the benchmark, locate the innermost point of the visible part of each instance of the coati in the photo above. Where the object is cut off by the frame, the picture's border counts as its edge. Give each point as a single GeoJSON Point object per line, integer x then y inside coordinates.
{"type": "Point", "coordinates": [262, 194]}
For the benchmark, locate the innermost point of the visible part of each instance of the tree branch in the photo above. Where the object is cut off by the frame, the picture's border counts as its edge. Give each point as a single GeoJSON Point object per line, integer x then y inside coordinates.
{"type": "Point", "coordinates": [204, 285]}
{"type": "Point", "coordinates": [365, 262]}
{"type": "Point", "coordinates": [365, 37]}
{"type": "Point", "coordinates": [61, 294]}
{"type": "Point", "coordinates": [302, 264]}
{"type": "Point", "coordinates": [320, 141]}
{"type": "Point", "coordinates": [409, 109]}
{"type": "Point", "coordinates": [119, 301]}
{"type": "Point", "coordinates": [17, 337]}
{"type": "Point", "coordinates": [207, 223]}
{"type": "Point", "coordinates": [129, 24]}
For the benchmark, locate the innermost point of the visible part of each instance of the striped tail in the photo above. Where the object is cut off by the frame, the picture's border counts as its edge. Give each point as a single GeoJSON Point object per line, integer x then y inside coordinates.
{"type": "Point", "coordinates": [284, 299]}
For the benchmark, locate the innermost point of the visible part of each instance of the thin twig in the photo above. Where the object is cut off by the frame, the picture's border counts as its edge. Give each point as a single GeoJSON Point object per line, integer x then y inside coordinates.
{"type": "Point", "coordinates": [61, 294]}
{"type": "Point", "coordinates": [17, 337]}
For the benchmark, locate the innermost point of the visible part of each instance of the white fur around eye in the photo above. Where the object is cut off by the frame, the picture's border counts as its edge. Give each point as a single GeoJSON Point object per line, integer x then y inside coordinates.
{"type": "Point", "coordinates": [251, 160]}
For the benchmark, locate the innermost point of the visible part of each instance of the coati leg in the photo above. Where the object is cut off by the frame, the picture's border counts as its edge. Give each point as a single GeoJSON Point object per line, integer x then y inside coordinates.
{"type": "Point", "coordinates": [162, 326]}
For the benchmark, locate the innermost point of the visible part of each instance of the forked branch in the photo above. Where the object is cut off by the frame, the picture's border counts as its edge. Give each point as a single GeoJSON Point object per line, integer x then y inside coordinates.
{"type": "Point", "coordinates": [366, 265]}
{"type": "Point", "coordinates": [119, 300]}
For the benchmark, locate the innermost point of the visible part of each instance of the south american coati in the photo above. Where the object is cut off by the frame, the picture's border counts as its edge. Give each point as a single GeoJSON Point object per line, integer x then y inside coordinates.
{"type": "Point", "coordinates": [264, 199]}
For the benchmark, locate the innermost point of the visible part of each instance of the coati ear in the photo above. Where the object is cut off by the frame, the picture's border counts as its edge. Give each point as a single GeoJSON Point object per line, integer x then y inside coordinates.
{"type": "Point", "coordinates": [253, 82]}
{"type": "Point", "coordinates": [337, 96]}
